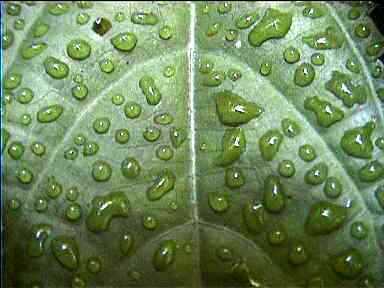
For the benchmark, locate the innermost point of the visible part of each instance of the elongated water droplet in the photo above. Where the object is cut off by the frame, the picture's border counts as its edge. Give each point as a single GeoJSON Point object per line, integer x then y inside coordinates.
{"type": "Point", "coordinates": [329, 39]}
{"type": "Point", "coordinates": [253, 215]}
{"type": "Point", "coordinates": [164, 255]}
{"type": "Point", "coordinates": [66, 251]}
{"type": "Point", "coordinates": [12, 81]}
{"type": "Point", "coordinates": [269, 144]}
{"type": "Point", "coordinates": [233, 145]}
{"type": "Point", "coordinates": [274, 195]}
{"type": "Point", "coordinates": [314, 10]}
{"type": "Point", "coordinates": [49, 113]}
{"type": "Point", "coordinates": [105, 208]}
{"type": "Point", "coordinates": [32, 50]}
{"type": "Point", "coordinates": [16, 150]}
{"type": "Point", "coordinates": [144, 18]}
{"type": "Point", "coordinates": [58, 9]}
{"type": "Point", "coordinates": [178, 136]}
{"type": "Point", "coordinates": [40, 29]}
{"type": "Point", "coordinates": [150, 90]}
{"type": "Point", "coordinates": [273, 25]}
{"type": "Point", "coordinates": [38, 237]}
{"type": "Point", "coordinates": [163, 183]}
{"type": "Point", "coordinates": [126, 243]}
{"type": "Point", "coordinates": [163, 118]}
{"type": "Point", "coordinates": [56, 68]}
{"type": "Point", "coordinates": [214, 79]}
{"type": "Point", "coordinates": [332, 187]}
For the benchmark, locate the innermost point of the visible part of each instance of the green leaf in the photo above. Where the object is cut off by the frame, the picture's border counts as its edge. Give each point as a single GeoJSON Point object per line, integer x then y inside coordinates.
{"type": "Point", "coordinates": [216, 144]}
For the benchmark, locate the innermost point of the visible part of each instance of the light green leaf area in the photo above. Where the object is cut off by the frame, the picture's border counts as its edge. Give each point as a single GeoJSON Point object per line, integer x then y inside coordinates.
{"type": "Point", "coordinates": [218, 144]}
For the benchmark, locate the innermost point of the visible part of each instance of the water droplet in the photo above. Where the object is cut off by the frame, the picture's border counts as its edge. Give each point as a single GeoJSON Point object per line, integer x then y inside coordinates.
{"type": "Point", "coordinates": [13, 9]}
{"type": "Point", "coordinates": [354, 13]}
{"type": "Point", "coordinates": [105, 208]}
{"type": "Point", "coordinates": [82, 18]}
{"type": "Point", "coordinates": [90, 148]}
{"type": "Point", "coordinates": [224, 7]}
{"type": "Point", "coordinates": [362, 30]}
{"type": "Point", "coordinates": [173, 205]}
{"type": "Point", "coordinates": [132, 110]}
{"type": "Point", "coordinates": [269, 144]}
{"type": "Point", "coordinates": [352, 65]}
{"type": "Point", "coordinates": [324, 218]}
{"type": "Point", "coordinates": [379, 142]}
{"type": "Point", "coordinates": [151, 134]}
{"type": "Point", "coordinates": [307, 153]}
{"type": "Point", "coordinates": [206, 65]}
{"type": "Point", "coordinates": [178, 136]}
{"type": "Point", "coordinates": [101, 26]}
{"type": "Point", "coordinates": [234, 74]}
{"type": "Point", "coordinates": [24, 175]}
{"type": "Point", "coordinates": [73, 212]}
{"type": "Point", "coordinates": [291, 55]}
{"type": "Point", "coordinates": [326, 113]}
{"type": "Point", "coordinates": [117, 99]}
{"type": "Point", "coordinates": [78, 282]}
{"type": "Point", "coordinates": [317, 59]}
{"type": "Point", "coordinates": [234, 110]}
{"type": "Point", "coordinates": [150, 90]}
{"type": "Point", "coordinates": [101, 171]}
{"type": "Point", "coordinates": [7, 38]}
{"type": "Point", "coordinates": [150, 222]}
{"type": "Point", "coordinates": [101, 125]}
{"type": "Point", "coordinates": [106, 65]}
{"type": "Point", "coordinates": [169, 71]}
{"type": "Point", "coordinates": [371, 171]}
{"type": "Point", "coordinates": [253, 215]}
{"type": "Point", "coordinates": [265, 69]}
{"type": "Point", "coordinates": [122, 136]}
{"type": "Point", "coordinates": [12, 81]}
{"type": "Point", "coordinates": [39, 235]}
{"type": "Point", "coordinates": [164, 182]}
{"type": "Point", "coordinates": [163, 118]}
{"type": "Point", "coordinates": [53, 188]}
{"type": "Point", "coordinates": [214, 78]}
{"type": "Point", "coordinates": [274, 195]}
{"type": "Point", "coordinates": [213, 29]}
{"type": "Point", "coordinates": [286, 168]}
{"type": "Point", "coordinates": [84, 4]}
{"type": "Point", "coordinates": [40, 29]}
{"type": "Point", "coordinates": [358, 230]}
{"type": "Point", "coordinates": [341, 86]}
{"type": "Point", "coordinates": [144, 18]}
{"type": "Point", "coordinates": [374, 48]}
{"type": "Point", "coordinates": [273, 25]}
{"type": "Point", "coordinates": [304, 75]}
{"type": "Point", "coordinates": [297, 254]}
{"type": "Point", "coordinates": [314, 10]}
{"type": "Point", "coordinates": [56, 68]}
{"type": "Point", "coordinates": [246, 20]}
{"type": "Point", "coordinates": [80, 92]}
{"type": "Point", "coordinates": [78, 49]}
{"type": "Point", "coordinates": [66, 251]}
{"type": "Point", "coordinates": [49, 113]}
{"type": "Point", "coordinates": [328, 39]}
{"type": "Point", "coordinates": [125, 41]}
{"type": "Point", "coordinates": [16, 150]}
{"type": "Point", "coordinates": [332, 188]}
{"type": "Point", "coordinates": [231, 34]}
{"type": "Point", "coordinates": [41, 205]}
{"type": "Point", "coordinates": [234, 177]}
{"type": "Point", "coordinates": [276, 237]}
{"type": "Point", "coordinates": [119, 16]}
{"type": "Point", "coordinates": [290, 128]}
{"type": "Point", "coordinates": [58, 9]}
{"type": "Point", "coordinates": [71, 153]}
{"type": "Point", "coordinates": [25, 95]}
{"type": "Point", "coordinates": [164, 255]}
{"type": "Point", "coordinates": [348, 264]}
{"type": "Point", "coordinates": [224, 254]}
{"type": "Point", "coordinates": [166, 32]}
{"type": "Point", "coordinates": [218, 202]}
{"type": "Point", "coordinates": [38, 148]}
{"type": "Point", "coordinates": [94, 265]}
{"type": "Point", "coordinates": [357, 142]}
{"type": "Point", "coordinates": [126, 243]}
{"type": "Point", "coordinates": [72, 194]}
{"type": "Point", "coordinates": [130, 168]}
{"type": "Point", "coordinates": [233, 145]}
{"type": "Point", "coordinates": [32, 50]}
{"type": "Point", "coordinates": [164, 152]}
{"type": "Point", "coordinates": [317, 174]}
{"type": "Point", "coordinates": [79, 139]}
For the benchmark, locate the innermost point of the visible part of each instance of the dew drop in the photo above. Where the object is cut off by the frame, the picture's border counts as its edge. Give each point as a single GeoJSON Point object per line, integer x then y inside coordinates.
{"type": "Point", "coordinates": [78, 49]}
{"type": "Point", "coordinates": [12, 81]}
{"type": "Point", "coordinates": [307, 153]}
{"type": "Point", "coordinates": [49, 113]}
{"type": "Point", "coordinates": [163, 183]}
{"type": "Point", "coordinates": [234, 178]}
{"type": "Point", "coordinates": [304, 75]}
{"type": "Point", "coordinates": [356, 142]}
{"type": "Point", "coordinates": [101, 26]}
{"type": "Point", "coordinates": [233, 146]}
{"type": "Point", "coordinates": [150, 222]}
{"type": "Point", "coordinates": [297, 254]}
{"type": "Point", "coordinates": [332, 188]}
{"type": "Point", "coordinates": [72, 194]}
{"type": "Point", "coordinates": [24, 175]}
{"type": "Point", "coordinates": [269, 144]}
{"type": "Point", "coordinates": [90, 148]}
{"type": "Point", "coordinates": [94, 265]}
{"type": "Point", "coordinates": [130, 168]}
{"type": "Point", "coordinates": [253, 215]}
{"type": "Point", "coordinates": [291, 55]}
{"type": "Point", "coordinates": [362, 30]}
{"type": "Point", "coordinates": [328, 39]}
{"type": "Point", "coordinates": [317, 59]}
{"type": "Point", "coordinates": [66, 251]}
{"type": "Point", "coordinates": [286, 168]}
{"type": "Point", "coordinates": [317, 174]}
{"type": "Point", "coordinates": [164, 255]}
{"type": "Point", "coordinates": [290, 128]}
{"type": "Point", "coordinates": [150, 90]}
{"type": "Point", "coordinates": [25, 95]}
{"type": "Point", "coordinates": [101, 171]}
{"type": "Point", "coordinates": [106, 65]}
{"type": "Point", "coordinates": [246, 20]}
{"type": "Point", "coordinates": [178, 136]}
{"type": "Point", "coordinates": [38, 148]}
{"type": "Point", "coordinates": [125, 41]}
{"type": "Point", "coordinates": [274, 196]}
{"type": "Point", "coordinates": [144, 18]}
{"type": "Point", "coordinates": [218, 203]}
{"type": "Point", "coordinates": [16, 150]}
{"type": "Point", "coordinates": [122, 136]}
{"type": "Point", "coordinates": [164, 152]}
{"type": "Point", "coordinates": [265, 69]}
{"type": "Point", "coordinates": [348, 264]}
{"type": "Point", "coordinates": [132, 110]}
{"type": "Point", "coordinates": [32, 50]}
{"type": "Point", "coordinates": [71, 153]}
{"type": "Point", "coordinates": [58, 9]}
{"type": "Point", "coordinates": [151, 134]}
{"type": "Point", "coordinates": [276, 237]}
{"type": "Point", "coordinates": [126, 243]}
{"type": "Point", "coordinates": [80, 92]}
{"type": "Point", "coordinates": [163, 119]}
{"type": "Point", "coordinates": [358, 230]}
{"type": "Point", "coordinates": [101, 125]}
{"type": "Point", "coordinates": [38, 237]}
{"type": "Point", "coordinates": [56, 68]}
{"type": "Point", "coordinates": [371, 171]}
{"type": "Point", "coordinates": [73, 212]}
{"type": "Point", "coordinates": [326, 113]}
{"type": "Point", "coordinates": [166, 32]}
{"type": "Point", "coordinates": [82, 18]}
{"type": "Point", "coordinates": [40, 29]}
